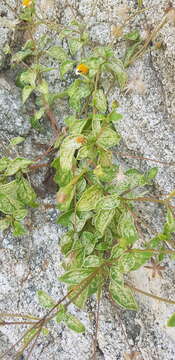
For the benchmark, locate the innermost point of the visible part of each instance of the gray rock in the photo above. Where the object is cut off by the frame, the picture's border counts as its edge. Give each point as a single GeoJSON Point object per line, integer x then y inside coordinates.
{"type": "Point", "coordinates": [34, 261]}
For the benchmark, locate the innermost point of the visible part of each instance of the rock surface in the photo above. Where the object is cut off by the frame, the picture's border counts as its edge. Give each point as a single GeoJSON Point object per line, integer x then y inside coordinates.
{"type": "Point", "coordinates": [33, 262]}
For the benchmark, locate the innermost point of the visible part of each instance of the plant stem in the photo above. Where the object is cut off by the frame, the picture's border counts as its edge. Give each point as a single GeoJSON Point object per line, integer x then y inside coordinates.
{"type": "Point", "coordinates": [150, 38]}
{"type": "Point", "coordinates": [154, 251]}
{"type": "Point", "coordinates": [150, 295]}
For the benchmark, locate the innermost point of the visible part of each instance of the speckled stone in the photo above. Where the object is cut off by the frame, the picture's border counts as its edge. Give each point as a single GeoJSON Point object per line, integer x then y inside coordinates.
{"type": "Point", "coordinates": [33, 262]}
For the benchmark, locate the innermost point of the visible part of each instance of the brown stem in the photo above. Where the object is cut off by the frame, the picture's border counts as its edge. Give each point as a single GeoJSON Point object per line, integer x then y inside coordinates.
{"type": "Point", "coordinates": [52, 120]}
{"type": "Point", "coordinates": [50, 149]}
{"type": "Point", "coordinates": [154, 251]}
{"type": "Point", "coordinates": [16, 323]}
{"type": "Point", "coordinates": [34, 343]}
{"type": "Point", "coordinates": [37, 166]}
{"type": "Point", "coordinates": [97, 325]}
{"type": "Point", "coordinates": [144, 199]}
{"type": "Point", "coordinates": [24, 316]}
{"type": "Point", "coordinates": [150, 295]}
{"type": "Point", "coordinates": [144, 158]}
{"type": "Point", "coordinates": [150, 38]}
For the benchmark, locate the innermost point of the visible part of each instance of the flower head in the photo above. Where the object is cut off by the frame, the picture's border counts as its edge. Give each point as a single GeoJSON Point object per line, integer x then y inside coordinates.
{"type": "Point", "coordinates": [80, 140]}
{"type": "Point", "coordinates": [27, 3]}
{"type": "Point", "coordinates": [82, 69]}
{"type": "Point", "coordinates": [123, 12]}
{"type": "Point", "coordinates": [136, 85]}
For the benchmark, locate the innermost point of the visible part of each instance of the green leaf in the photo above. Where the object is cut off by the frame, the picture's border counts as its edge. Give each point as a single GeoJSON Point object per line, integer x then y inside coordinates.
{"type": "Point", "coordinates": [106, 173]}
{"type": "Point", "coordinates": [4, 223]}
{"type": "Point", "coordinates": [103, 51]}
{"type": "Point", "coordinates": [116, 251]}
{"type": "Point", "coordinates": [43, 87]}
{"type": "Point", "coordinates": [18, 229]}
{"type": "Point", "coordinates": [43, 41]}
{"type": "Point", "coordinates": [171, 321]}
{"type": "Point", "coordinates": [21, 55]}
{"type": "Point", "coordinates": [65, 33]}
{"type": "Point", "coordinates": [61, 314]}
{"type": "Point", "coordinates": [102, 219]}
{"type": "Point", "coordinates": [76, 126]}
{"type": "Point", "coordinates": [26, 193]}
{"type": "Point", "coordinates": [62, 177]}
{"type": "Point", "coordinates": [19, 214]}
{"type": "Point", "coordinates": [75, 45]}
{"type": "Point", "coordinates": [81, 186]}
{"type": "Point", "coordinates": [116, 276]}
{"type": "Point", "coordinates": [44, 331]}
{"type": "Point", "coordinates": [28, 77]}
{"type": "Point", "coordinates": [74, 221]}
{"type": "Point", "coordinates": [130, 52]}
{"type": "Point", "coordinates": [100, 101]}
{"type": "Point", "coordinates": [45, 300]}
{"type": "Point", "coordinates": [79, 298]}
{"type": "Point", "coordinates": [86, 151]}
{"type": "Point", "coordinates": [88, 240]}
{"type": "Point", "coordinates": [78, 90]}
{"type": "Point", "coordinates": [126, 263]}
{"type": "Point", "coordinates": [16, 140]}
{"type": "Point", "coordinates": [36, 117]}
{"type": "Point", "coordinates": [139, 259]}
{"type": "Point", "coordinates": [67, 149]}
{"type": "Point", "coordinates": [8, 198]}
{"type": "Point", "coordinates": [80, 220]}
{"type": "Point", "coordinates": [66, 243]}
{"type": "Point", "coordinates": [30, 44]}
{"type": "Point", "coordinates": [65, 196]}
{"type": "Point", "coordinates": [65, 218]}
{"type": "Point", "coordinates": [58, 53]}
{"type": "Point", "coordinates": [96, 283]}
{"type": "Point", "coordinates": [89, 198]}
{"type": "Point", "coordinates": [18, 164]}
{"type": "Point", "coordinates": [66, 66]}
{"type": "Point", "coordinates": [108, 138]}
{"type": "Point", "coordinates": [39, 68]}
{"type": "Point", "coordinates": [133, 35]}
{"type": "Point", "coordinates": [92, 261]}
{"type": "Point", "coordinates": [26, 91]}
{"type": "Point", "coordinates": [117, 69]}
{"type": "Point", "coordinates": [108, 202]}
{"type": "Point", "coordinates": [105, 159]}
{"type": "Point", "coordinates": [29, 336]}
{"type": "Point", "coordinates": [151, 174]}
{"type": "Point", "coordinates": [74, 324]}
{"type": "Point", "coordinates": [74, 277]}
{"type": "Point", "coordinates": [114, 117]}
{"type": "Point", "coordinates": [122, 296]}
{"type": "Point", "coordinates": [127, 230]}
{"type": "Point", "coordinates": [4, 162]}
{"type": "Point", "coordinates": [169, 226]}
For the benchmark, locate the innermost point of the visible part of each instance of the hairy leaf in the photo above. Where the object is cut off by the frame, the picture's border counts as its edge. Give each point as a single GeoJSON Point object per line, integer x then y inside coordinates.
{"type": "Point", "coordinates": [171, 321]}
{"type": "Point", "coordinates": [89, 198]}
{"type": "Point", "coordinates": [100, 101]}
{"type": "Point", "coordinates": [74, 324]}
{"type": "Point", "coordinates": [108, 138]}
{"type": "Point", "coordinates": [57, 53]}
{"type": "Point", "coordinates": [45, 300]}
{"type": "Point", "coordinates": [102, 219]}
{"type": "Point", "coordinates": [127, 230]}
{"type": "Point", "coordinates": [122, 296]}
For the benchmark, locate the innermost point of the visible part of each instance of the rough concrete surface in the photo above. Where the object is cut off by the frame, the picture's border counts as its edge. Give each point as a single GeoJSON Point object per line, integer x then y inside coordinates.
{"type": "Point", "coordinates": [34, 261]}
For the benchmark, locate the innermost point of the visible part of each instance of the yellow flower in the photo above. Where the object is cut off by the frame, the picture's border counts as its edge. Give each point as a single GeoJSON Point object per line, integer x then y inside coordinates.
{"type": "Point", "coordinates": [82, 69]}
{"type": "Point", "coordinates": [80, 140]}
{"type": "Point", "coordinates": [27, 3]}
